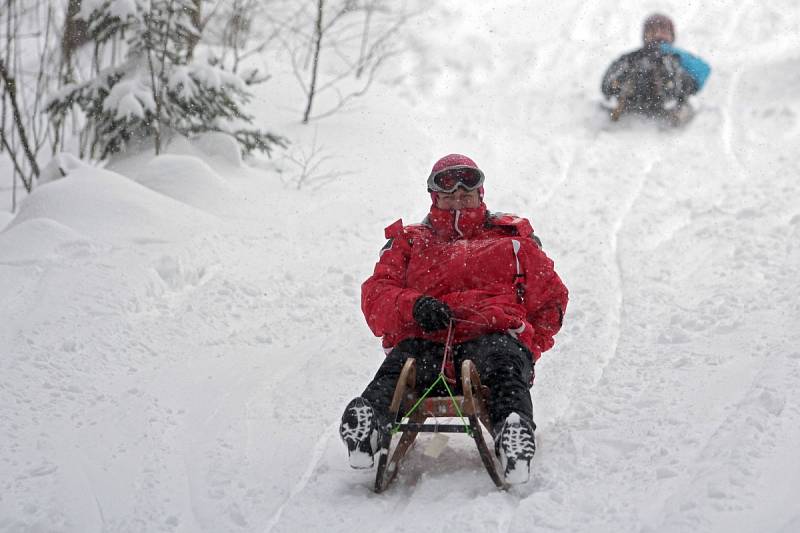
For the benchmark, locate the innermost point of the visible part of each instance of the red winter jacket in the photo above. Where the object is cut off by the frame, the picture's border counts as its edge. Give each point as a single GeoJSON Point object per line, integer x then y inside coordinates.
{"type": "Point", "coordinates": [487, 267]}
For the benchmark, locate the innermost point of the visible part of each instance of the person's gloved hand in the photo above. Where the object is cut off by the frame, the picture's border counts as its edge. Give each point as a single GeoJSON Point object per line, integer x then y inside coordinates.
{"type": "Point", "coordinates": [693, 65]}
{"type": "Point", "coordinates": [431, 314]}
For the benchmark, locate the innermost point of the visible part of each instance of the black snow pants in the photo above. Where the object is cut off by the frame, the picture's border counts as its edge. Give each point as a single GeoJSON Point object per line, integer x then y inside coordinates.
{"type": "Point", "coordinates": [504, 364]}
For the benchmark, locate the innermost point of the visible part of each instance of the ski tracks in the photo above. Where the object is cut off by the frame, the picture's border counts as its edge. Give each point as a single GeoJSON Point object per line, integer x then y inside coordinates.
{"type": "Point", "coordinates": [618, 259]}
{"type": "Point", "coordinates": [565, 163]}
{"type": "Point", "coordinates": [316, 457]}
{"type": "Point", "coordinates": [613, 200]}
{"type": "Point", "coordinates": [727, 130]}
{"type": "Point", "coordinates": [596, 341]}
{"type": "Point", "coordinates": [763, 422]}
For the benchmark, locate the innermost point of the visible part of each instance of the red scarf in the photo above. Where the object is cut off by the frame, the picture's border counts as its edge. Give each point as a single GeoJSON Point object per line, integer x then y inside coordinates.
{"type": "Point", "coordinates": [457, 224]}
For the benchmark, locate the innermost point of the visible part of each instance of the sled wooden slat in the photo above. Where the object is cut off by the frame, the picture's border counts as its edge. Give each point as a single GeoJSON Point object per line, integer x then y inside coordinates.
{"type": "Point", "coordinates": [472, 404]}
{"type": "Point", "coordinates": [433, 428]}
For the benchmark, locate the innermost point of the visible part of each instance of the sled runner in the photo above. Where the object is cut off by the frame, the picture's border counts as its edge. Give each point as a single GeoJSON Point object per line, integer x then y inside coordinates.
{"type": "Point", "coordinates": [679, 114]}
{"type": "Point", "coordinates": [673, 118]}
{"type": "Point", "coordinates": [410, 412]}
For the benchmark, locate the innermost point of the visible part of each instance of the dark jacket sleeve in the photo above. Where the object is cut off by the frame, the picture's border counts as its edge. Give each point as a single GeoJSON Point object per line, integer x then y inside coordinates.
{"type": "Point", "coordinates": [616, 75]}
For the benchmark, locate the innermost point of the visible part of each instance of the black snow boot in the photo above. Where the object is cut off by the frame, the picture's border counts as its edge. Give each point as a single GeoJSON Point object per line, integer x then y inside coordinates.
{"type": "Point", "coordinates": [362, 433]}
{"type": "Point", "coordinates": [514, 445]}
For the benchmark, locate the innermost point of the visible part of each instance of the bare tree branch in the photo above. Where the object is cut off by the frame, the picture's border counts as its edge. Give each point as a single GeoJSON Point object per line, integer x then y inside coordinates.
{"type": "Point", "coordinates": [343, 100]}
{"type": "Point", "coordinates": [10, 86]}
{"type": "Point", "coordinates": [309, 162]}
{"type": "Point", "coordinates": [348, 46]}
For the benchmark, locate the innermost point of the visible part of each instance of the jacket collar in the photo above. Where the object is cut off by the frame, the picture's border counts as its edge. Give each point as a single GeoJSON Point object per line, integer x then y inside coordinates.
{"type": "Point", "coordinates": [458, 224]}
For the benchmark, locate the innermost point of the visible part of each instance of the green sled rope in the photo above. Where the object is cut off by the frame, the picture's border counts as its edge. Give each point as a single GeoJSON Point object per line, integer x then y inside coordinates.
{"type": "Point", "coordinates": [467, 428]}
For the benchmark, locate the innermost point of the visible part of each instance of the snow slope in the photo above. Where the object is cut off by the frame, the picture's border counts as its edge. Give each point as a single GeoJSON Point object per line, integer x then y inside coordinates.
{"type": "Point", "coordinates": [179, 334]}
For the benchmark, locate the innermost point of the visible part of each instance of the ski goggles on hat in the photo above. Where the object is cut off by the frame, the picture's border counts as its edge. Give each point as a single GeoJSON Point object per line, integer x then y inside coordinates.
{"type": "Point", "coordinates": [450, 179]}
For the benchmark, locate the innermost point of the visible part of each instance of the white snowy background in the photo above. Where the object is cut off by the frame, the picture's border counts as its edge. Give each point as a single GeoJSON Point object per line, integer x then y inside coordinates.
{"type": "Point", "coordinates": [179, 334]}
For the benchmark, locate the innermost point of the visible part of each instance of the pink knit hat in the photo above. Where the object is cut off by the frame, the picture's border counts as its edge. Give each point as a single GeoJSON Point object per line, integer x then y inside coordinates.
{"type": "Point", "coordinates": [453, 161]}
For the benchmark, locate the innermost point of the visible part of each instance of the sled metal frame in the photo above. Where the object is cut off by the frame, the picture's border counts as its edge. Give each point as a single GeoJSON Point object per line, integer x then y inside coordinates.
{"type": "Point", "coordinates": [473, 407]}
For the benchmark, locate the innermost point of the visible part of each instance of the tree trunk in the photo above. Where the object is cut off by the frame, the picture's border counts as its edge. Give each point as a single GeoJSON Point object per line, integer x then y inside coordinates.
{"type": "Point", "coordinates": [74, 31]}
{"type": "Point", "coordinates": [197, 22]}
{"type": "Point", "coordinates": [9, 43]}
{"type": "Point", "coordinates": [315, 66]}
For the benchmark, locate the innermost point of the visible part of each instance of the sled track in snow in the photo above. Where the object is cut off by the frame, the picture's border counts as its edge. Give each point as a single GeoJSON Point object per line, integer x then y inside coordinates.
{"type": "Point", "coordinates": [728, 130]}
{"type": "Point", "coordinates": [616, 263]}
{"type": "Point", "coordinates": [620, 277]}
{"type": "Point", "coordinates": [762, 408]}
{"type": "Point", "coordinates": [508, 514]}
{"type": "Point", "coordinates": [567, 163]}
{"type": "Point", "coordinates": [730, 31]}
{"type": "Point", "coordinates": [316, 457]}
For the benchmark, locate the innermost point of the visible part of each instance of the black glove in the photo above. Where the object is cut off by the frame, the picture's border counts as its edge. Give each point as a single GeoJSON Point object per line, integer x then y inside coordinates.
{"type": "Point", "coordinates": [431, 314]}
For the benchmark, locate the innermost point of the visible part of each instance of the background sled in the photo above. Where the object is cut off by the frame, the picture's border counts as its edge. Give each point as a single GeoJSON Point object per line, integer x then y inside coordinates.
{"type": "Point", "coordinates": [669, 118]}
{"type": "Point", "coordinates": [470, 406]}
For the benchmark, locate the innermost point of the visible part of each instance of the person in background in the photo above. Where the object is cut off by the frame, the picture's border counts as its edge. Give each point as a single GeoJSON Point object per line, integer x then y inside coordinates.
{"type": "Point", "coordinates": [480, 273]}
{"type": "Point", "coordinates": [657, 79]}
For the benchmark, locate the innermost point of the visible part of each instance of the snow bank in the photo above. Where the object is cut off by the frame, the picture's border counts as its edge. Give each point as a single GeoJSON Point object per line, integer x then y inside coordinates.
{"type": "Point", "coordinates": [107, 207]}
{"type": "Point", "coordinates": [187, 179]}
{"type": "Point", "coordinates": [5, 218]}
{"type": "Point", "coordinates": [213, 147]}
{"type": "Point", "coordinates": [61, 165]}
{"type": "Point", "coordinates": [35, 239]}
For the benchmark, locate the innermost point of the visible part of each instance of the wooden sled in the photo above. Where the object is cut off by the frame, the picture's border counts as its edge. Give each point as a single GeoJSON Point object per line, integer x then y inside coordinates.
{"type": "Point", "coordinates": [472, 404]}
{"type": "Point", "coordinates": [668, 118]}
{"type": "Point", "coordinates": [619, 109]}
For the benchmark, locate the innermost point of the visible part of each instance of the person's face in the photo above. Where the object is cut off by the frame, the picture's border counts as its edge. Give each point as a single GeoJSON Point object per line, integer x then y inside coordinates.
{"type": "Point", "coordinates": [657, 34]}
{"type": "Point", "coordinates": [458, 199]}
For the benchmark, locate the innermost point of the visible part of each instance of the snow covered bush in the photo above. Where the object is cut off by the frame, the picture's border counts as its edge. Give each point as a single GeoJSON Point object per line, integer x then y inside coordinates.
{"type": "Point", "coordinates": [158, 89]}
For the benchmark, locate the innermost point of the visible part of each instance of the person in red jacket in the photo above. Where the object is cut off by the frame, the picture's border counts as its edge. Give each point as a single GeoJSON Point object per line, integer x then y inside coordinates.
{"type": "Point", "coordinates": [481, 272]}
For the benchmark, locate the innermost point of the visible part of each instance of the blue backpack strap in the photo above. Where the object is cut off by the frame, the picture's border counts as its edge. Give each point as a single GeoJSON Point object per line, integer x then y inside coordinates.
{"type": "Point", "coordinates": [698, 69]}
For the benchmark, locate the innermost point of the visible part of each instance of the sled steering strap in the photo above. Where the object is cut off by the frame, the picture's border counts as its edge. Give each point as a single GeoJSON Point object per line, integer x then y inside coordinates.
{"type": "Point", "coordinates": [446, 377]}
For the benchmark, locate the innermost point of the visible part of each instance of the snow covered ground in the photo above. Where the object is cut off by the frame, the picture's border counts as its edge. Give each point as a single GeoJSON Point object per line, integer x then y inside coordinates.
{"type": "Point", "coordinates": [179, 334]}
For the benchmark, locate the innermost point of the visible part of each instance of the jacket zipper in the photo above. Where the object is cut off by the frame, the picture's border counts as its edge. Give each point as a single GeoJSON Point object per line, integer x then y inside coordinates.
{"type": "Point", "coordinates": [455, 223]}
